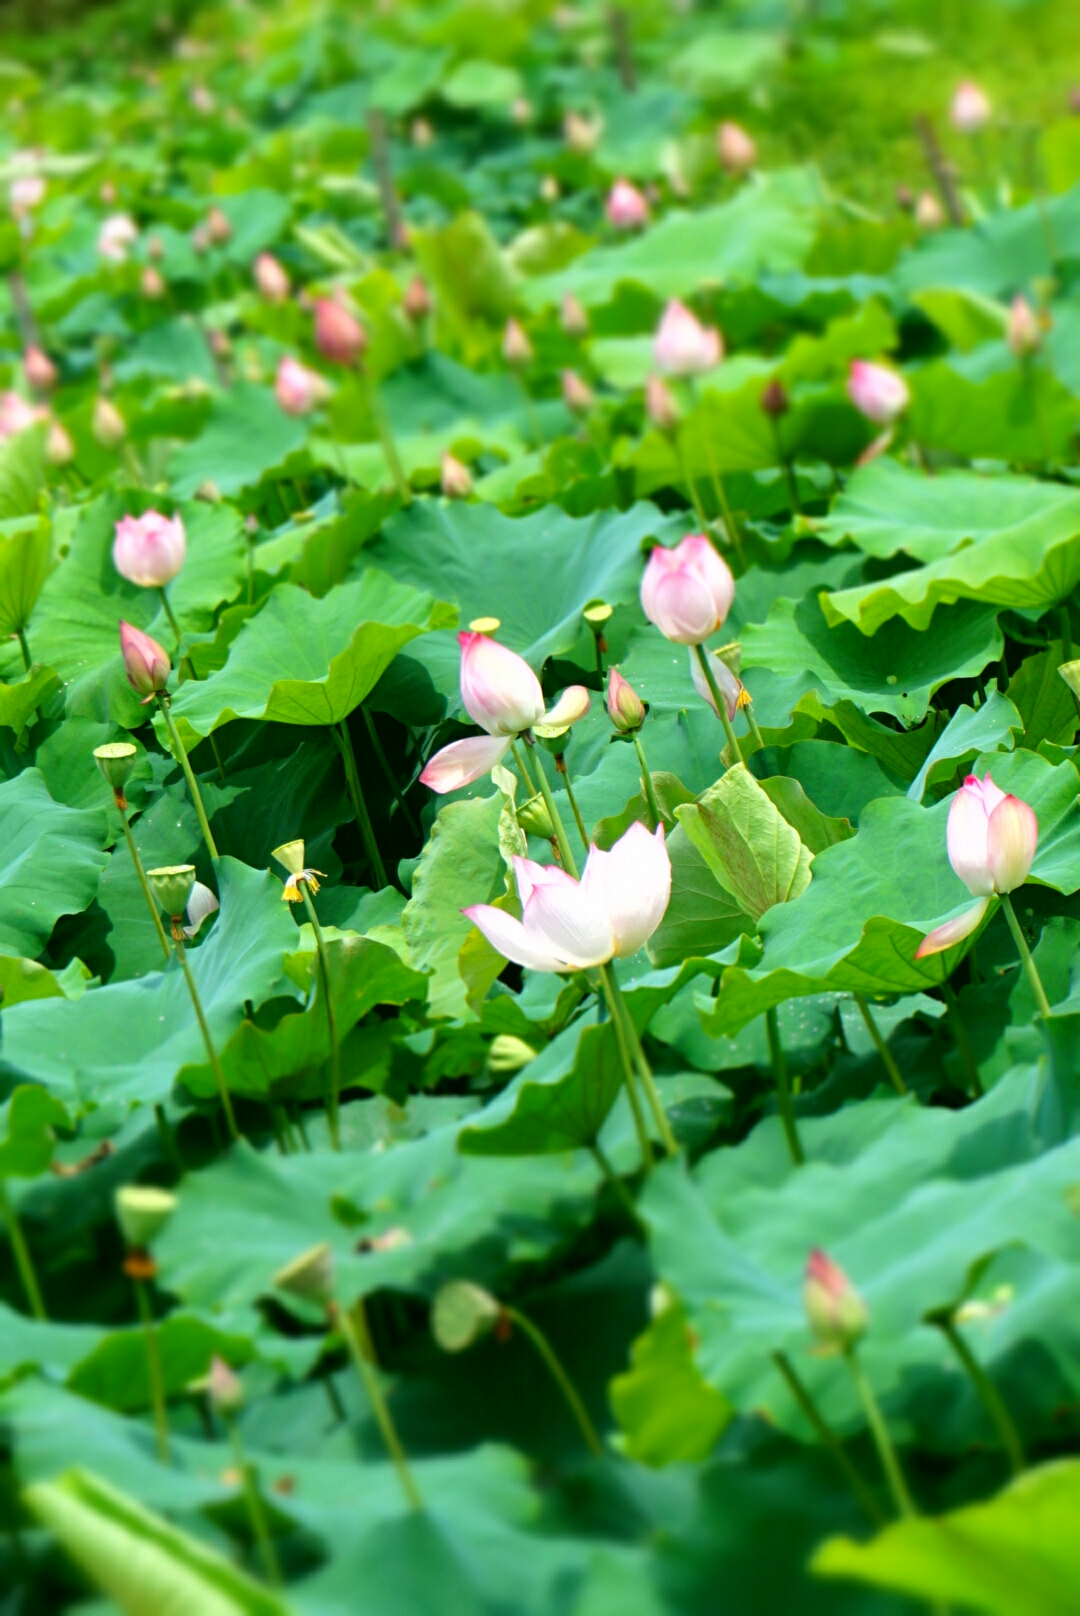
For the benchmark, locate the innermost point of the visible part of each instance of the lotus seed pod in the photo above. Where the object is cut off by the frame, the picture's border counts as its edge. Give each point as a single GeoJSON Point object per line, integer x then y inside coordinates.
{"type": "Point", "coordinates": [309, 1277]}
{"type": "Point", "coordinates": [290, 855]}
{"type": "Point", "coordinates": [142, 1211]}
{"type": "Point", "coordinates": [461, 1313]}
{"type": "Point", "coordinates": [172, 886]}
{"type": "Point", "coordinates": [535, 820]}
{"type": "Point", "coordinates": [224, 1387]}
{"type": "Point", "coordinates": [116, 760]}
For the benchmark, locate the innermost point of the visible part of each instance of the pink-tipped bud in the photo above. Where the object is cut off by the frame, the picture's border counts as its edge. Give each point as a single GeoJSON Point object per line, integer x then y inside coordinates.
{"type": "Point", "coordinates": [499, 690]}
{"type": "Point", "coordinates": [660, 405]}
{"type": "Point", "coordinates": [735, 149]}
{"type": "Point", "coordinates": [59, 448]}
{"type": "Point", "coordinates": [683, 346]}
{"type": "Point", "coordinates": [417, 299]}
{"type": "Point", "coordinates": [297, 389]}
{"type": "Point", "coordinates": [16, 415]}
{"type": "Point", "coordinates": [456, 479]}
{"type": "Point", "coordinates": [626, 207]}
{"type": "Point", "coordinates": [577, 395]}
{"type": "Point", "coordinates": [146, 663]}
{"type": "Point", "coordinates": [516, 347]}
{"type": "Point", "coordinates": [835, 1311]}
{"type": "Point", "coordinates": [108, 425]}
{"type": "Point", "coordinates": [970, 109]}
{"type": "Point", "coordinates": [625, 707]}
{"type": "Point", "coordinates": [339, 336]}
{"type": "Point", "coordinates": [218, 228]}
{"type": "Point", "coordinates": [1024, 333]}
{"type": "Point", "coordinates": [877, 392]}
{"type": "Point", "coordinates": [687, 591]}
{"type": "Point", "coordinates": [575, 322]}
{"type": "Point", "coordinates": [774, 400]}
{"type": "Point", "coordinates": [149, 550]}
{"type": "Point", "coordinates": [224, 1388]}
{"type": "Point", "coordinates": [929, 214]}
{"type": "Point", "coordinates": [40, 372]}
{"type": "Point", "coordinates": [152, 282]}
{"type": "Point", "coordinates": [271, 278]}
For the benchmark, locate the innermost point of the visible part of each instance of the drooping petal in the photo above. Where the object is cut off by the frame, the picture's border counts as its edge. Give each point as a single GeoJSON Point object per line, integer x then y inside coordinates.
{"type": "Point", "coordinates": [632, 882]}
{"type": "Point", "coordinates": [462, 762]}
{"type": "Point", "coordinates": [965, 838]}
{"type": "Point", "coordinates": [953, 931]}
{"type": "Point", "coordinates": [729, 686]}
{"type": "Point", "coordinates": [509, 937]}
{"type": "Point", "coordinates": [565, 918]}
{"type": "Point", "coordinates": [571, 705]}
{"type": "Point", "coordinates": [1011, 839]}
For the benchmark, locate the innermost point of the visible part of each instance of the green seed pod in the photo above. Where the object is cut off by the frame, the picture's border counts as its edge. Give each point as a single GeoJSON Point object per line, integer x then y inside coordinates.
{"type": "Point", "coordinates": [290, 855]}
{"type": "Point", "coordinates": [309, 1276]}
{"type": "Point", "coordinates": [142, 1211]}
{"type": "Point", "coordinates": [461, 1313]}
{"type": "Point", "coordinates": [116, 761]}
{"type": "Point", "coordinates": [172, 886]}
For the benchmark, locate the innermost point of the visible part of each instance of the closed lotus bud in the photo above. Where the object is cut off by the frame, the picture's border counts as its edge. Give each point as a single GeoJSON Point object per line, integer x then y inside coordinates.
{"type": "Point", "coordinates": [271, 278]}
{"type": "Point", "coordinates": [1024, 333]}
{"type": "Point", "coordinates": [220, 346]}
{"type": "Point", "coordinates": [508, 1054]}
{"type": "Point", "coordinates": [729, 684]}
{"type": "Point", "coordinates": [109, 426]}
{"type": "Point", "coordinates": [224, 1388]}
{"type": "Point", "coordinates": [59, 448]}
{"type": "Point", "coordinates": [200, 239]}
{"type": "Point", "coordinates": [40, 372]}
{"type": "Point", "coordinates": [877, 392]}
{"type": "Point", "coordinates": [516, 347]}
{"type": "Point", "coordinates": [297, 389]}
{"type": "Point", "coordinates": [218, 227]}
{"type": "Point", "coordinates": [116, 759]}
{"type": "Point", "coordinates": [146, 663]}
{"type": "Point", "coordinates": [550, 189]}
{"type": "Point", "coordinates": [172, 886]}
{"type": "Point", "coordinates": [339, 336]}
{"type": "Point", "coordinates": [456, 479]}
{"type": "Point", "coordinates": [209, 492]}
{"type": "Point", "coordinates": [970, 109]}
{"type": "Point", "coordinates": [660, 405]}
{"type": "Point", "coordinates": [152, 282]}
{"type": "Point", "coordinates": [156, 248]}
{"type": "Point", "coordinates": [310, 1277]}
{"type": "Point", "coordinates": [421, 133]}
{"type": "Point", "coordinates": [626, 207]}
{"type": "Point", "coordinates": [535, 820]}
{"type": "Point", "coordinates": [835, 1311]}
{"type": "Point", "coordinates": [521, 111]}
{"type": "Point", "coordinates": [461, 1313]}
{"type": "Point", "coordinates": [575, 322]}
{"type": "Point", "coordinates": [905, 198]}
{"type": "Point", "coordinates": [992, 839]}
{"type": "Point", "coordinates": [687, 591]}
{"type": "Point", "coordinates": [16, 415]}
{"type": "Point", "coordinates": [149, 550]}
{"type": "Point", "coordinates": [577, 395]}
{"type": "Point", "coordinates": [117, 236]}
{"type": "Point", "coordinates": [26, 193]}
{"type": "Point", "coordinates": [417, 299]}
{"type": "Point", "coordinates": [774, 400]}
{"type": "Point", "coordinates": [581, 134]}
{"type": "Point", "coordinates": [625, 707]}
{"type": "Point", "coordinates": [683, 346]}
{"type": "Point", "coordinates": [142, 1211]}
{"type": "Point", "coordinates": [929, 214]}
{"type": "Point", "coordinates": [735, 148]}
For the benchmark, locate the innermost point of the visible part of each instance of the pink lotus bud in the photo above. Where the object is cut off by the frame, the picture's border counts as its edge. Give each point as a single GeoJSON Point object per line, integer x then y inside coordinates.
{"type": "Point", "coordinates": [683, 346]}
{"type": "Point", "coordinates": [660, 405]}
{"type": "Point", "coordinates": [835, 1311]}
{"type": "Point", "coordinates": [774, 400]}
{"type": "Point", "coordinates": [687, 591]}
{"type": "Point", "coordinates": [59, 449]}
{"type": "Point", "coordinates": [271, 278]}
{"type": "Point", "coordinates": [109, 426]}
{"type": "Point", "coordinates": [16, 415]}
{"type": "Point", "coordinates": [521, 111]}
{"type": "Point", "coordinates": [456, 479]}
{"type": "Point", "coordinates": [735, 148]}
{"type": "Point", "coordinates": [1024, 333]}
{"type": "Point", "coordinates": [146, 663]}
{"type": "Point", "coordinates": [218, 228]}
{"type": "Point", "coordinates": [625, 207]}
{"type": "Point", "coordinates": [297, 389]}
{"type": "Point", "coordinates": [149, 550]}
{"type": "Point", "coordinates": [152, 282]}
{"type": "Point", "coordinates": [575, 322]}
{"type": "Point", "coordinates": [729, 685]}
{"type": "Point", "coordinates": [421, 133]}
{"type": "Point", "coordinates": [581, 134]}
{"type": "Point", "coordinates": [40, 372]}
{"type": "Point", "coordinates": [568, 925]}
{"type": "Point", "coordinates": [499, 690]}
{"type": "Point", "coordinates": [577, 395]}
{"type": "Point", "coordinates": [117, 236]}
{"type": "Point", "coordinates": [26, 193]}
{"type": "Point", "coordinates": [516, 347]}
{"type": "Point", "coordinates": [550, 189]}
{"type": "Point", "coordinates": [877, 392]}
{"type": "Point", "coordinates": [417, 299]}
{"type": "Point", "coordinates": [992, 839]}
{"type": "Point", "coordinates": [624, 706]}
{"type": "Point", "coordinates": [929, 214]}
{"type": "Point", "coordinates": [224, 1388]}
{"type": "Point", "coordinates": [339, 336]}
{"type": "Point", "coordinates": [970, 110]}
{"type": "Point", "coordinates": [156, 248]}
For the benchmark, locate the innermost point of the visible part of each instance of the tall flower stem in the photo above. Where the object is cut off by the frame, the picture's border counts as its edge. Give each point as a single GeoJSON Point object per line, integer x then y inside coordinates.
{"type": "Point", "coordinates": [171, 615]}
{"type": "Point", "coordinates": [334, 1095]}
{"type": "Point", "coordinates": [1025, 956]}
{"type": "Point", "coordinates": [211, 1051]}
{"type": "Point", "coordinates": [890, 1464]}
{"type": "Point", "coordinates": [888, 1060]}
{"type": "Point", "coordinates": [565, 853]}
{"type": "Point", "coordinates": [256, 1513]}
{"type": "Point", "coordinates": [644, 1070]}
{"type": "Point", "coordinates": [140, 871]}
{"type": "Point", "coordinates": [21, 1252]}
{"type": "Point", "coordinates": [560, 1377]}
{"type": "Point", "coordinates": [752, 726]}
{"type": "Point", "coordinates": [963, 1039]}
{"type": "Point", "coordinates": [518, 754]}
{"type": "Point", "coordinates": [356, 797]}
{"type": "Point", "coordinates": [179, 752]}
{"type": "Point", "coordinates": [386, 439]}
{"type": "Point", "coordinates": [366, 1371]}
{"type": "Point", "coordinates": [828, 1437]}
{"type": "Point", "coordinates": [611, 1177]}
{"type": "Point", "coordinates": [560, 765]}
{"type": "Point", "coordinates": [989, 1396]}
{"type": "Point", "coordinates": [640, 1128]}
{"type": "Point", "coordinates": [647, 785]}
{"type": "Point", "coordinates": [783, 1087]}
{"type": "Point", "coordinates": [720, 703]}
{"type": "Point", "coordinates": [684, 472]}
{"type": "Point", "coordinates": [391, 777]}
{"type": "Point", "coordinates": [153, 1367]}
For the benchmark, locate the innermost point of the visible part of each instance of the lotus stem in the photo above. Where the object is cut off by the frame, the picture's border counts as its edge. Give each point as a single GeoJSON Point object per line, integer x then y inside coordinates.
{"type": "Point", "coordinates": [720, 703]}
{"type": "Point", "coordinates": [391, 777]}
{"type": "Point", "coordinates": [386, 439]}
{"type": "Point", "coordinates": [140, 871]}
{"type": "Point", "coordinates": [525, 772]}
{"type": "Point", "coordinates": [989, 1396]}
{"type": "Point", "coordinates": [568, 861]}
{"type": "Point", "coordinates": [888, 1060]}
{"type": "Point", "coordinates": [334, 1095]}
{"type": "Point", "coordinates": [215, 1062]}
{"type": "Point", "coordinates": [360, 809]}
{"type": "Point", "coordinates": [783, 1087]}
{"type": "Point", "coordinates": [179, 752]}
{"type": "Point", "coordinates": [644, 1070]}
{"type": "Point", "coordinates": [560, 765]}
{"type": "Point", "coordinates": [647, 785]}
{"type": "Point", "coordinates": [691, 486]}
{"type": "Point", "coordinates": [366, 1371]}
{"type": "Point", "coordinates": [890, 1464]}
{"type": "Point", "coordinates": [560, 1377]}
{"type": "Point", "coordinates": [153, 1366]}
{"type": "Point", "coordinates": [170, 614]}
{"type": "Point", "coordinates": [21, 1252]}
{"type": "Point", "coordinates": [644, 1142]}
{"type": "Point", "coordinates": [828, 1437]}
{"type": "Point", "coordinates": [256, 1513]}
{"type": "Point", "coordinates": [1026, 960]}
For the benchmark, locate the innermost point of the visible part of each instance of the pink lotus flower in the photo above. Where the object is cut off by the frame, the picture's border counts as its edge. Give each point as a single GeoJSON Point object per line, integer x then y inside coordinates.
{"type": "Point", "coordinates": [991, 840]}
{"type": "Point", "coordinates": [735, 148]}
{"type": "Point", "coordinates": [729, 685]}
{"type": "Point", "coordinates": [146, 663]}
{"type": "Point", "coordinates": [683, 346]}
{"type": "Point", "coordinates": [502, 694]}
{"type": "Point", "coordinates": [271, 278]}
{"type": "Point", "coordinates": [970, 110]}
{"type": "Point", "coordinates": [568, 925]}
{"type": "Point", "coordinates": [835, 1311]}
{"type": "Point", "coordinates": [149, 550]}
{"type": "Point", "coordinates": [877, 392]}
{"type": "Point", "coordinates": [16, 415]}
{"type": "Point", "coordinates": [339, 336]}
{"type": "Point", "coordinates": [39, 370]}
{"type": "Point", "coordinates": [1023, 332]}
{"type": "Point", "coordinates": [625, 707]}
{"type": "Point", "coordinates": [687, 591]}
{"type": "Point", "coordinates": [297, 389]}
{"type": "Point", "coordinates": [625, 207]}
{"type": "Point", "coordinates": [26, 193]}
{"type": "Point", "coordinates": [117, 236]}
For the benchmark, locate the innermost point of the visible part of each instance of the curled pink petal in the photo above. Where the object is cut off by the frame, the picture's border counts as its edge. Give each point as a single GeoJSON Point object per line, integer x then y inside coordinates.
{"type": "Point", "coordinates": [632, 882]}
{"type": "Point", "coordinates": [566, 918]}
{"type": "Point", "coordinates": [462, 762]}
{"type": "Point", "coordinates": [1011, 840]}
{"type": "Point", "coordinates": [953, 931]}
{"type": "Point", "coordinates": [509, 938]}
{"type": "Point", "coordinates": [572, 705]}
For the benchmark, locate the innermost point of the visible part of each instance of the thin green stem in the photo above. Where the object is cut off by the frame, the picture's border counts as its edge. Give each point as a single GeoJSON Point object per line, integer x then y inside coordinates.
{"type": "Point", "coordinates": [153, 1369]}
{"type": "Point", "coordinates": [719, 702]}
{"type": "Point", "coordinates": [518, 754]}
{"type": "Point", "coordinates": [888, 1060]}
{"type": "Point", "coordinates": [1025, 956]}
{"type": "Point", "coordinates": [386, 439]}
{"type": "Point", "coordinates": [366, 1371]}
{"type": "Point", "coordinates": [21, 1252]}
{"type": "Point", "coordinates": [24, 647]}
{"type": "Point", "coordinates": [256, 1513]}
{"type": "Point", "coordinates": [560, 1377]}
{"type": "Point", "coordinates": [568, 862]}
{"type": "Point", "coordinates": [1066, 633]}
{"type": "Point", "coordinates": [644, 1070]}
{"type": "Point", "coordinates": [890, 1464]}
{"type": "Point", "coordinates": [360, 809]}
{"type": "Point", "coordinates": [965, 1048]}
{"type": "Point", "coordinates": [151, 901]}
{"type": "Point", "coordinates": [828, 1438]}
{"type": "Point", "coordinates": [384, 764]}
{"type": "Point", "coordinates": [684, 473]}
{"type": "Point", "coordinates": [168, 1139]}
{"type": "Point", "coordinates": [171, 615]}
{"type": "Point", "coordinates": [619, 1189]}
{"type": "Point", "coordinates": [783, 1087]}
{"type": "Point", "coordinates": [752, 726]}
{"type": "Point", "coordinates": [989, 1396]}
{"type": "Point", "coordinates": [179, 752]}
{"type": "Point", "coordinates": [560, 764]}
{"type": "Point", "coordinates": [647, 785]}
{"type": "Point", "coordinates": [223, 1089]}
{"type": "Point", "coordinates": [334, 1096]}
{"type": "Point", "coordinates": [644, 1142]}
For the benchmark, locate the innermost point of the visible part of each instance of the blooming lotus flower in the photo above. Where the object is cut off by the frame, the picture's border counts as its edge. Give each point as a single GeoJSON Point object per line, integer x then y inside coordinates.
{"type": "Point", "coordinates": [569, 925]}
{"type": "Point", "coordinates": [735, 148]}
{"type": "Point", "coordinates": [146, 663]}
{"type": "Point", "coordinates": [731, 687]}
{"type": "Point", "coordinates": [1023, 332]}
{"type": "Point", "coordinates": [877, 392]}
{"type": "Point", "coordinates": [118, 234]}
{"type": "Point", "coordinates": [271, 278]}
{"type": "Point", "coordinates": [687, 591]}
{"type": "Point", "coordinates": [626, 207]}
{"type": "Point", "coordinates": [683, 346]}
{"type": "Point", "coordinates": [991, 838]}
{"type": "Point", "coordinates": [39, 370]}
{"type": "Point", "coordinates": [339, 336]}
{"type": "Point", "coordinates": [502, 694]}
{"type": "Point", "coordinates": [835, 1311]}
{"type": "Point", "coordinates": [516, 347]}
{"type": "Point", "coordinates": [149, 550]}
{"type": "Point", "coordinates": [625, 707]}
{"type": "Point", "coordinates": [16, 415]}
{"type": "Point", "coordinates": [297, 389]}
{"type": "Point", "coordinates": [970, 109]}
